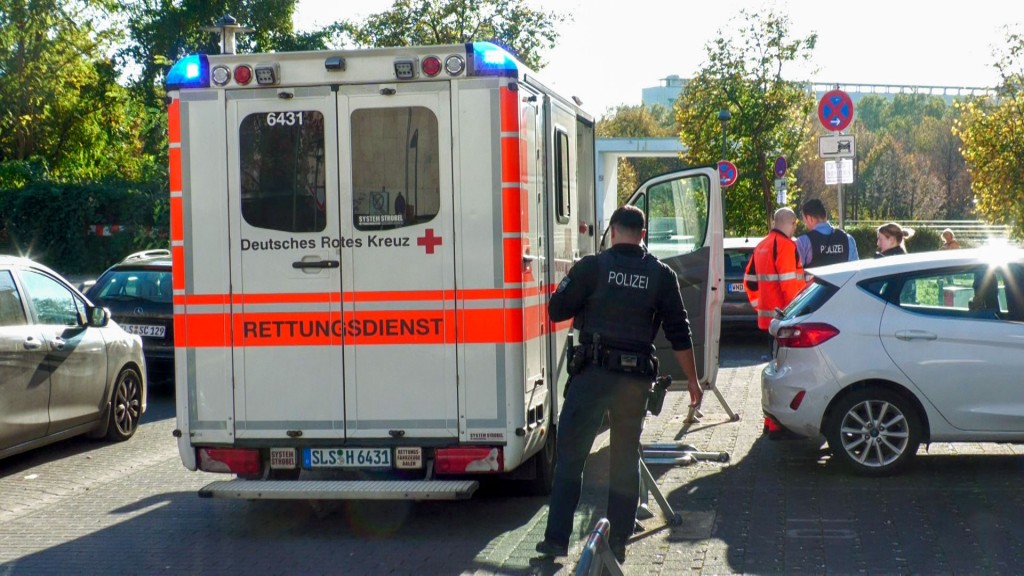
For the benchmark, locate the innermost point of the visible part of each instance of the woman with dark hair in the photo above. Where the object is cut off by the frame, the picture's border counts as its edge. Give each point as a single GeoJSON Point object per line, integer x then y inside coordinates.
{"type": "Point", "coordinates": [890, 239]}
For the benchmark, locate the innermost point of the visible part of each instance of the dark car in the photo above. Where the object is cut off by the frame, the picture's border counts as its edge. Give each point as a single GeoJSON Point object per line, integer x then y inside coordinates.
{"type": "Point", "coordinates": [737, 313]}
{"type": "Point", "coordinates": [138, 293]}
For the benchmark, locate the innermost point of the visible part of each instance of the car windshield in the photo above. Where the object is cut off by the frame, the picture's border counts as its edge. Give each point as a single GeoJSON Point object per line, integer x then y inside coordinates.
{"type": "Point", "coordinates": [143, 285]}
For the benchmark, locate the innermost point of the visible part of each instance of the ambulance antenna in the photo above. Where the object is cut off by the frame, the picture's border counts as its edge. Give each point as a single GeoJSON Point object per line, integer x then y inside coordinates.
{"type": "Point", "coordinates": [228, 27]}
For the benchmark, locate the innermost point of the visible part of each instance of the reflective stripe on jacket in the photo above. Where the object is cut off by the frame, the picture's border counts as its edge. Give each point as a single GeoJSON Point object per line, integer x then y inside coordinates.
{"type": "Point", "coordinates": [774, 276]}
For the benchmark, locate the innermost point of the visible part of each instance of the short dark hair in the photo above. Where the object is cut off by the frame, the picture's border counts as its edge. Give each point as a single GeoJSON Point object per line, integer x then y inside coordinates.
{"type": "Point", "coordinates": [814, 207]}
{"type": "Point", "coordinates": [628, 218]}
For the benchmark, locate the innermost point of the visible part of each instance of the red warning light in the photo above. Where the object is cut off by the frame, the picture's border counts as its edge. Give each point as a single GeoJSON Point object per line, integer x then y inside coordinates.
{"type": "Point", "coordinates": [431, 66]}
{"type": "Point", "coordinates": [243, 75]}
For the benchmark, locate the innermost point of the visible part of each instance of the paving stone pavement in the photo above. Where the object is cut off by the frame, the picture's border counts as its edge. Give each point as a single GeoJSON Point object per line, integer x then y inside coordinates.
{"type": "Point", "coordinates": [774, 508]}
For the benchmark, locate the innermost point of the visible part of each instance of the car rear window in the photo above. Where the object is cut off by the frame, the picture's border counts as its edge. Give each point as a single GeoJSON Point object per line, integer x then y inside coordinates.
{"type": "Point", "coordinates": [813, 296]}
{"type": "Point", "coordinates": [146, 285]}
{"type": "Point", "coordinates": [736, 261]}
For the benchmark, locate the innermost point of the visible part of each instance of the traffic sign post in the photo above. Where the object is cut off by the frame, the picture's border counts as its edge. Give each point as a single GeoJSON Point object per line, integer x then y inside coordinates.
{"type": "Point", "coordinates": [835, 110]}
{"type": "Point", "coordinates": [781, 165]}
{"type": "Point", "coordinates": [727, 173]}
{"type": "Point", "coordinates": [837, 146]}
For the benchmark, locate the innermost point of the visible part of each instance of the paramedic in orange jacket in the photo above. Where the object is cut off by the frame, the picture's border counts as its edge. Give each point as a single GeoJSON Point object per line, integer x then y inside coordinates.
{"type": "Point", "coordinates": [774, 275]}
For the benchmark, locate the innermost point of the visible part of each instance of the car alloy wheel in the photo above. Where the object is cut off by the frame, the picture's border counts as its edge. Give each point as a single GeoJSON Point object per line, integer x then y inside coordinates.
{"type": "Point", "coordinates": [874, 431]}
{"type": "Point", "coordinates": [125, 406]}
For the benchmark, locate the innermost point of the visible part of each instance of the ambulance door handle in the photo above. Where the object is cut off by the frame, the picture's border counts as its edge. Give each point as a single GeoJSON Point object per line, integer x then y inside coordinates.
{"type": "Point", "coordinates": [303, 264]}
{"type": "Point", "coordinates": [530, 258]}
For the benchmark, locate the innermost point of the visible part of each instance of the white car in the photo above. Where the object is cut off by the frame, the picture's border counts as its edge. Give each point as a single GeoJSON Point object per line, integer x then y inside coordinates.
{"type": "Point", "coordinates": [879, 356]}
{"type": "Point", "coordinates": [65, 368]}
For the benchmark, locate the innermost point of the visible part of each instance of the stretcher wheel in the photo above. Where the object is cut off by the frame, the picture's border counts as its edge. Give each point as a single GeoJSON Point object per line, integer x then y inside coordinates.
{"type": "Point", "coordinates": [676, 519]}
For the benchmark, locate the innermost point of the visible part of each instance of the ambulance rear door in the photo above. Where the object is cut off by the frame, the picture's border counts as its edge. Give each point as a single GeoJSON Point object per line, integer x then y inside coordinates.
{"type": "Point", "coordinates": [398, 254]}
{"type": "Point", "coordinates": [286, 270]}
{"type": "Point", "coordinates": [684, 230]}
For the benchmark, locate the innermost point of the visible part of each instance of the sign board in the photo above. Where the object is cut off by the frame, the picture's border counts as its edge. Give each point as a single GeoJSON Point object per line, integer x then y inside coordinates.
{"type": "Point", "coordinates": [835, 110]}
{"type": "Point", "coordinates": [727, 173]}
{"type": "Point", "coordinates": [837, 146]}
{"type": "Point", "coordinates": [780, 191]}
{"type": "Point", "coordinates": [781, 165]}
{"type": "Point", "coordinates": [839, 171]}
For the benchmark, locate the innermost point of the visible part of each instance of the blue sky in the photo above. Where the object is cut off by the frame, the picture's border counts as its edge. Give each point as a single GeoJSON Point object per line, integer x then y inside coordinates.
{"type": "Point", "coordinates": [607, 56]}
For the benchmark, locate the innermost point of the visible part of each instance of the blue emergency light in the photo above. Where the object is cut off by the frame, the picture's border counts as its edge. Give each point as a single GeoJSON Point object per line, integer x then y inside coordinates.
{"type": "Point", "coordinates": [189, 72]}
{"type": "Point", "coordinates": [487, 59]}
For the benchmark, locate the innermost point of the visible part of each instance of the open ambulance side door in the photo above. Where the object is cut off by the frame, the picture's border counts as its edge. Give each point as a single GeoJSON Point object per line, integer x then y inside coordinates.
{"type": "Point", "coordinates": [684, 230]}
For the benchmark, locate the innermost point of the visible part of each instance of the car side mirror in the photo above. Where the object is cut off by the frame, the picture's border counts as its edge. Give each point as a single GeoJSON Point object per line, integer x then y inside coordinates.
{"type": "Point", "coordinates": [98, 317]}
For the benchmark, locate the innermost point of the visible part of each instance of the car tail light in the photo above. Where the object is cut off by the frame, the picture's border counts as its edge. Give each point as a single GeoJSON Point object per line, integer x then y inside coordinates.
{"type": "Point", "coordinates": [770, 425]}
{"type": "Point", "coordinates": [231, 460]}
{"type": "Point", "coordinates": [483, 459]}
{"type": "Point", "coordinates": [805, 335]}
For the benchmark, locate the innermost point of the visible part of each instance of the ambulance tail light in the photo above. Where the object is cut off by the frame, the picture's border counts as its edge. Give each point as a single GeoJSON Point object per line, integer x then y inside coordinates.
{"type": "Point", "coordinates": [475, 460]}
{"type": "Point", "coordinates": [229, 460]}
{"type": "Point", "coordinates": [487, 59]}
{"type": "Point", "coordinates": [189, 72]}
{"type": "Point", "coordinates": [431, 66]}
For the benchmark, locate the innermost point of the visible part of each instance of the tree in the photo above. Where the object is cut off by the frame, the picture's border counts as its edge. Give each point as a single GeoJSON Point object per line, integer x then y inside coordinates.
{"type": "Point", "coordinates": [992, 131]}
{"type": "Point", "coordinates": [525, 32]}
{"type": "Point", "coordinates": [62, 112]}
{"type": "Point", "coordinates": [770, 114]}
{"type": "Point", "coordinates": [638, 122]}
{"type": "Point", "coordinates": [161, 32]}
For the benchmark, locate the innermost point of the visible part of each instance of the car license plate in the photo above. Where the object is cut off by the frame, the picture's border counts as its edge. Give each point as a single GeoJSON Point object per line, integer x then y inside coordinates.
{"type": "Point", "coordinates": [346, 458]}
{"type": "Point", "coordinates": [735, 287]}
{"type": "Point", "coordinates": [144, 330]}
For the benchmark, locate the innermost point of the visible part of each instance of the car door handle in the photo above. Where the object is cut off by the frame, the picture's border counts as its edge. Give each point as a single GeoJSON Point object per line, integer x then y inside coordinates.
{"type": "Point", "coordinates": [32, 344]}
{"type": "Point", "coordinates": [302, 264]}
{"type": "Point", "coordinates": [915, 335]}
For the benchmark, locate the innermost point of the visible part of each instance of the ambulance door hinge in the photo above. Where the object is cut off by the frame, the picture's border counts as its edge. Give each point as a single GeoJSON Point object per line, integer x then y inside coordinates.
{"type": "Point", "coordinates": [514, 87]}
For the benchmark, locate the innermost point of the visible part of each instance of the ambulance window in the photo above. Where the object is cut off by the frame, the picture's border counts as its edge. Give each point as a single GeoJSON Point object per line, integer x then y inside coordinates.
{"type": "Point", "coordinates": [396, 177]}
{"type": "Point", "coordinates": [282, 171]}
{"type": "Point", "coordinates": [562, 176]}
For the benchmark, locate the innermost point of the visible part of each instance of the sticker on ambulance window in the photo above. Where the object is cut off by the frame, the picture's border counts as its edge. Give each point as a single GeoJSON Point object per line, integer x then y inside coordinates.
{"type": "Point", "coordinates": [396, 179]}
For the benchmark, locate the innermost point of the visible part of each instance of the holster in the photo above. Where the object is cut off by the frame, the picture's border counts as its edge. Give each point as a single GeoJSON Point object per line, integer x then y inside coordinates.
{"type": "Point", "coordinates": [656, 397]}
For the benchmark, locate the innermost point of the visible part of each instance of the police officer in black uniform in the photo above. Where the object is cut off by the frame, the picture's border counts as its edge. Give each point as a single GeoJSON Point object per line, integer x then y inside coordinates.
{"type": "Point", "coordinates": [618, 300]}
{"type": "Point", "coordinates": [822, 244]}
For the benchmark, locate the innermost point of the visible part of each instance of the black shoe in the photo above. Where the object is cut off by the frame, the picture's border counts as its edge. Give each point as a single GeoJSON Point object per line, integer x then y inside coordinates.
{"type": "Point", "coordinates": [550, 549]}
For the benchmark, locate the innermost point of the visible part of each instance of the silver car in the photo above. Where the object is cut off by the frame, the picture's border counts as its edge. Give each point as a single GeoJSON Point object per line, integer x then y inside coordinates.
{"type": "Point", "coordinates": [65, 368]}
{"type": "Point", "coordinates": [880, 356]}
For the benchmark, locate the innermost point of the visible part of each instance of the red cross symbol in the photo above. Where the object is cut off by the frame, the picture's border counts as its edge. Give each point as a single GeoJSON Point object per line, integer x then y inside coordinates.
{"type": "Point", "coordinates": [429, 241]}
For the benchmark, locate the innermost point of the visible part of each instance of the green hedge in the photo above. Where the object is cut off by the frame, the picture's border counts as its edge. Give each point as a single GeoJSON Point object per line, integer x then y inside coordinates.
{"type": "Point", "coordinates": [51, 222]}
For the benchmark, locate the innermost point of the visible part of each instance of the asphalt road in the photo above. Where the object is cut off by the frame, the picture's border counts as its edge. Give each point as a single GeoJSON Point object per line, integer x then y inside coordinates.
{"type": "Point", "coordinates": [83, 507]}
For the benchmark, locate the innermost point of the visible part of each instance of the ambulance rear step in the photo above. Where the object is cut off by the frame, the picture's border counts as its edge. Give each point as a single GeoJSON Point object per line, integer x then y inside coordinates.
{"type": "Point", "coordinates": [341, 489]}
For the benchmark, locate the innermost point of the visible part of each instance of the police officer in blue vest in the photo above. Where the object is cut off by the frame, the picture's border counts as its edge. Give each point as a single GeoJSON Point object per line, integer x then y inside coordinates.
{"type": "Point", "coordinates": [823, 244]}
{"type": "Point", "coordinates": [618, 300]}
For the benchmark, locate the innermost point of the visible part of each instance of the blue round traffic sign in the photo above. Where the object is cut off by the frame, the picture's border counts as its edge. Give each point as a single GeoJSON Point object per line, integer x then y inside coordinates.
{"type": "Point", "coordinates": [835, 110]}
{"type": "Point", "coordinates": [781, 165]}
{"type": "Point", "coordinates": [727, 173]}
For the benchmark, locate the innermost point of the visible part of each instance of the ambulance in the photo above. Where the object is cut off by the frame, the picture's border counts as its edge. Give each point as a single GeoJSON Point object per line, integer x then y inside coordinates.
{"type": "Point", "coordinates": [363, 246]}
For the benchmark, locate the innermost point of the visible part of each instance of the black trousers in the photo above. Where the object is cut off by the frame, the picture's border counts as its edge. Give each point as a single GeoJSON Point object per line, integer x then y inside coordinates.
{"type": "Point", "coordinates": [594, 392]}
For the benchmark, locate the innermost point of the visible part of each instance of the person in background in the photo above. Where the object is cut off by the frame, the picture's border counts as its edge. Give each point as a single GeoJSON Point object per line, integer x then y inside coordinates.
{"type": "Point", "coordinates": [822, 244]}
{"type": "Point", "coordinates": [618, 300]}
{"type": "Point", "coordinates": [889, 239]}
{"type": "Point", "coordinates": [774, 274]}
{"type": "Point", "coordinates": [948, 240]}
